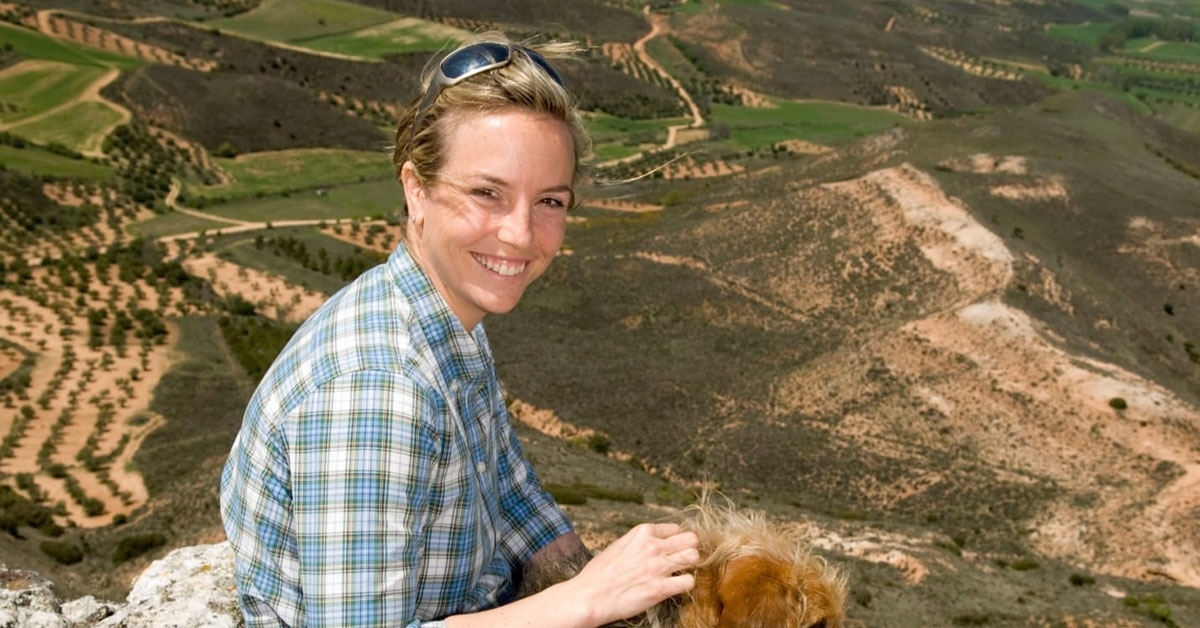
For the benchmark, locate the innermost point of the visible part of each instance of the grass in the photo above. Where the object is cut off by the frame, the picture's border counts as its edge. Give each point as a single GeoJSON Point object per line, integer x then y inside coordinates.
{"type": "Point", "coordinates": [282, 171]}
{"type": "Point", "coordinates": [34, 87]}
{"type": "Point", "coordinates": [614, 138]}
{"type": "Point", "coordinates": [606, 128]}
{"type": "Point", "coordinates": [360, 200]}
{"type": "Point", "coordinates": [1067, 84]}
{"type": "Point", "coordinates": [1169, 51]}
{"type": "Point", "coordinates": [299, 20]}
{"type": "Point", "coordinates": [1187, 118]}
{"type": "Point", "coordinates": [173, 223]}
{"type": "Point", "coordinates": [689, 7]}
{"type": "Point", "coordinates": [81, 126]}
{"type": "Point", "coordinates": [378, 41]}
{"type": "Point", "coordinates": [669, 57]}
{"type": "Point", "coordinates": [821, 122]}
{"type": "Point", "coordinates": [38, 161]}
{"type": "Point", "coordinates": [1089, 34]}
{"type": "Point", "coordinates": [38, 46]}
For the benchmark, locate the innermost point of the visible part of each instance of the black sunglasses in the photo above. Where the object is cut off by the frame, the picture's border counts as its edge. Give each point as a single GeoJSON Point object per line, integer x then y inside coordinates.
{"type": "Point", "coordinates": [469, 61]}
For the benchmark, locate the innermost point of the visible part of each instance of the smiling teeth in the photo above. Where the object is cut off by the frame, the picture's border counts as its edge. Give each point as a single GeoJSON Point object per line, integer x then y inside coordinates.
{"type": "Point", "coordinates": [508, 269]}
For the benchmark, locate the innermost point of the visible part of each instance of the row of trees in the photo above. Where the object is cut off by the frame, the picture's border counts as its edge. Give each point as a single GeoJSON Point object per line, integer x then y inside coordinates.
{"type": "Point", "coordinates": [344, 267]}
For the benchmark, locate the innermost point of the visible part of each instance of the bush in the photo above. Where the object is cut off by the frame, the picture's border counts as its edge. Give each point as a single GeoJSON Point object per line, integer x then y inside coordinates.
{"type": "Point", "coordinates": [133, 546]}
{"type": "Point", "coordinates": [63, 552]}
{"type": "Point", "coordinates": [9, 524]}
{"type": "Point", "coordinates": [1024, 564]}
{"type": "Point", "coordinates": [1117, 403]}
{"type": "Point", "coordinates": [1080, 579]}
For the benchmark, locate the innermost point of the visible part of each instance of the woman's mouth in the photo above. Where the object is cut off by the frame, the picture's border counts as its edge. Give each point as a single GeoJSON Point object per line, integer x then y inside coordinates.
{"type": "Point", "coordinates": [502, 267]}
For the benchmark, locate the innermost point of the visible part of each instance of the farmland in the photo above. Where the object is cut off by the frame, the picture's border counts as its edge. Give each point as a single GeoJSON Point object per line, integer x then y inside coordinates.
{"type": "Point", "coordinates": [921, 278]}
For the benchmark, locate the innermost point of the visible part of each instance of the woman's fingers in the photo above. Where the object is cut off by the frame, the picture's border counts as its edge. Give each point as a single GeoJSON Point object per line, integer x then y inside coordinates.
{"type": "Point", "coordinates": [684, 559]}
{"type": "Point", "coordinates": [648, 564]}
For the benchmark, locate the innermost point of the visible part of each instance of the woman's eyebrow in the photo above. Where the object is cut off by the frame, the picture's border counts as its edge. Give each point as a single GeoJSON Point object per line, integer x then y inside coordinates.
{"type": "Point", "coordinates": [565, 188]}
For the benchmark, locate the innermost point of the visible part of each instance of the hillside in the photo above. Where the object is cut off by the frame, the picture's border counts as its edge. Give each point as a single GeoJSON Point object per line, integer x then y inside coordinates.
{"type": "Point", "coordinates": [922, 281]}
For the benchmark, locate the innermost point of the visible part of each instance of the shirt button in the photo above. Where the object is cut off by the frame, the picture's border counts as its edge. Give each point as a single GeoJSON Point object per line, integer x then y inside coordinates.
{"type": "Point", "coordinates": [480, 467]}
{"type": "Point", "coordinates": [454, 387]}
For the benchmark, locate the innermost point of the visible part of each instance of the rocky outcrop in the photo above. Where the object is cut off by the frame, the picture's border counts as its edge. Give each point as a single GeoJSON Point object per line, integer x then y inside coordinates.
{"type": "Point", "coordinates": [191, 587]}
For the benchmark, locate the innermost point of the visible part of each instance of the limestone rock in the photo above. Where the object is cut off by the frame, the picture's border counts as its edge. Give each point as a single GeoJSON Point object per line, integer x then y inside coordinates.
{"type": "Point", "coordinates": [191, 587]}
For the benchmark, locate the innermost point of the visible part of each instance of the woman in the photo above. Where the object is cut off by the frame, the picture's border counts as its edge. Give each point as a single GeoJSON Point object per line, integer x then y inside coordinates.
{"type": "Point", "coordinates": [376, 480]}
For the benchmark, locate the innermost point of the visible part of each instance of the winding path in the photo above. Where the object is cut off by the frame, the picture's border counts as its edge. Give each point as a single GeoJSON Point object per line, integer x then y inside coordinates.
{"type": "Point", "coordinates": [658, 26]}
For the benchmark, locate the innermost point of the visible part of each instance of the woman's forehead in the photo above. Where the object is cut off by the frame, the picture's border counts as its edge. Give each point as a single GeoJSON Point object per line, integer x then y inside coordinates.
{"type": "Point", "coordinates": [509, 145]}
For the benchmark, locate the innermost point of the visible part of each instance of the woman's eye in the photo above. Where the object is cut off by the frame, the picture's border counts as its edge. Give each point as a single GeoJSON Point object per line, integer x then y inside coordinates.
{"type": "Point", "coordinates": [553, 202]}
{"type": "Point", "coordinates": [483, 192]}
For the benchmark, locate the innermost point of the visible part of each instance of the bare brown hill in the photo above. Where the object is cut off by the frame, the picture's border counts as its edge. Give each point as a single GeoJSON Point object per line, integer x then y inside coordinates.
{"type": "Point", "coordinates": [887, 335]}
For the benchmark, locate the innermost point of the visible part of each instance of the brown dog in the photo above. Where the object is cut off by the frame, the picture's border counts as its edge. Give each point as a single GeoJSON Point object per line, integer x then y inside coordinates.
{"type": "Point", "coordinates": [751, 574]}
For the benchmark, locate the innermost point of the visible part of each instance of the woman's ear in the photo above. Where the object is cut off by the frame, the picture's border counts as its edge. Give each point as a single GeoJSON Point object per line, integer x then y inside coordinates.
{"type": "Point", "coordinates": [415, 193]}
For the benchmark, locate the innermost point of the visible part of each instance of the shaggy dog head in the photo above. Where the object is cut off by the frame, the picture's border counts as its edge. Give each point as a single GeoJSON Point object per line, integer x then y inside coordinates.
{"type": "Point", "coordinates": [752, 575]}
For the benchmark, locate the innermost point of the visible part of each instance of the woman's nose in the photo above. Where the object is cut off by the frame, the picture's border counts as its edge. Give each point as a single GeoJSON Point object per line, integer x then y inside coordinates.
{"type": "Point", "coordinates": [516, 226]}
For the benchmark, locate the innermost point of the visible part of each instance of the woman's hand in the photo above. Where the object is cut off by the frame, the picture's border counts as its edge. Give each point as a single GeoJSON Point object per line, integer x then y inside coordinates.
{"type": "Point", "coordinates": [638, 571]}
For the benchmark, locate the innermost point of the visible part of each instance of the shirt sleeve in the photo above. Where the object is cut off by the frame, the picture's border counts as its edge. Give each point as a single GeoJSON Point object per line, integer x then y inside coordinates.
{"type": "Point", "coordinates": [530, 516]}
{"type": "Point", "coordinates": [361, 465]}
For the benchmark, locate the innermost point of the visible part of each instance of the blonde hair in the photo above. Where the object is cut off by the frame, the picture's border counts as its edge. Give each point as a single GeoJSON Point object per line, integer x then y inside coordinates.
{"type": "Point", "coordinates": [521, 83]}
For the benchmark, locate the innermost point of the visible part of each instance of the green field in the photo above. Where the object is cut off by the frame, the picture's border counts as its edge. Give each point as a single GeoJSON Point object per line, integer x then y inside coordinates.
{"type": "Point", "coordinates": [378, 41]}
{"type": "Point", "coordinates": [37, 46]}
{"type": "Point", "coordinates": [1187, 118]}
{"type": "Point", "coordinates": [35, 86]}
{"type": "Point", "coordinates": [1089, 33]}
{"type": "Point", "coordinates": [614, 138]}
{"type": "Point", "coordinates": [258, 174]}
{"type": "Point", "coordinates": [688, 7]}
{"type": "Point", "coordinates": [1157, 50]}
{"type": "Point", "coordinates": [669, 57]}
{"type": "Point", "coordinates": [820, 122]}
{"type": "Point", "coordinates": [80, 126]}
{"type": "Point", "coordinates": [39, 161]}
{"type": "Point", "coordinates": [172, 223]}
{"type": "Point", "coordinates": [360, 200]}
{"type": "Point", "coordinates": [1067, 84]}
{"type": "Point", "coordinates": [298, 20]}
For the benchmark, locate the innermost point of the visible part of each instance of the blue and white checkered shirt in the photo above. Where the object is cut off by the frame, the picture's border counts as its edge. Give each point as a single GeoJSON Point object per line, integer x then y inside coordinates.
{"type": "Point", "coordinates": [376, 480]}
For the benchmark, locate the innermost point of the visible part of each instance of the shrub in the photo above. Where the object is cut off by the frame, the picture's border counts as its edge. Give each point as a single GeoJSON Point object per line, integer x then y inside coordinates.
{"type": "Point", "coordinates": [1080, 579]}
{"type": "Point", "coordinates": [63, 552]}
{"type": "Point", "coordinates": [133, 546]}
{"type": "Point", "coordinates": [9, 524]}
{"type": "Point", "coordinates": [1117, 403]}
{"type": "Point", "coordinates": [597, 442]}
{"type": "Point", "coordinates": [1024, 564]}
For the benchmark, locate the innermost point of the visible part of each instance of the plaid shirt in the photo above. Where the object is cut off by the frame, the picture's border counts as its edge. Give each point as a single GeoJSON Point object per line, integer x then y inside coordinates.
{"type": "Point", "coordinates": [376, 480]}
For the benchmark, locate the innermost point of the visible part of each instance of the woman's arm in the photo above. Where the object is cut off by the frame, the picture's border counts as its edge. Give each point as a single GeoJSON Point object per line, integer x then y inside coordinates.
{"type": "Point", "coordinates": [636, 572]}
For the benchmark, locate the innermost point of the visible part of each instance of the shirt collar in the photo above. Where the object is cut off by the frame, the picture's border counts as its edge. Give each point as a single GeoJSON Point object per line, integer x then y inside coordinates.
{"type": "Point", "coordinates": [460, 355]}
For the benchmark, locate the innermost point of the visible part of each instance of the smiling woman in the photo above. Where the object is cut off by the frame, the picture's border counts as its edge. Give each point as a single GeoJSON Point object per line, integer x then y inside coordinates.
{"type": "Point", "coordinates": [377, 479]}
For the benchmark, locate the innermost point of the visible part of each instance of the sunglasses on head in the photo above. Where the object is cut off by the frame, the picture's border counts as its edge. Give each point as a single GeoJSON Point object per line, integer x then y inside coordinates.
{"type": "Point", "coordinates": [473, 60]}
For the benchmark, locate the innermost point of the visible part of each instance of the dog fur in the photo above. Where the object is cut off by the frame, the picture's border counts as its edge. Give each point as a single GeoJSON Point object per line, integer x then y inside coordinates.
{"type": "Point", "coordinates": [751, 574]}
